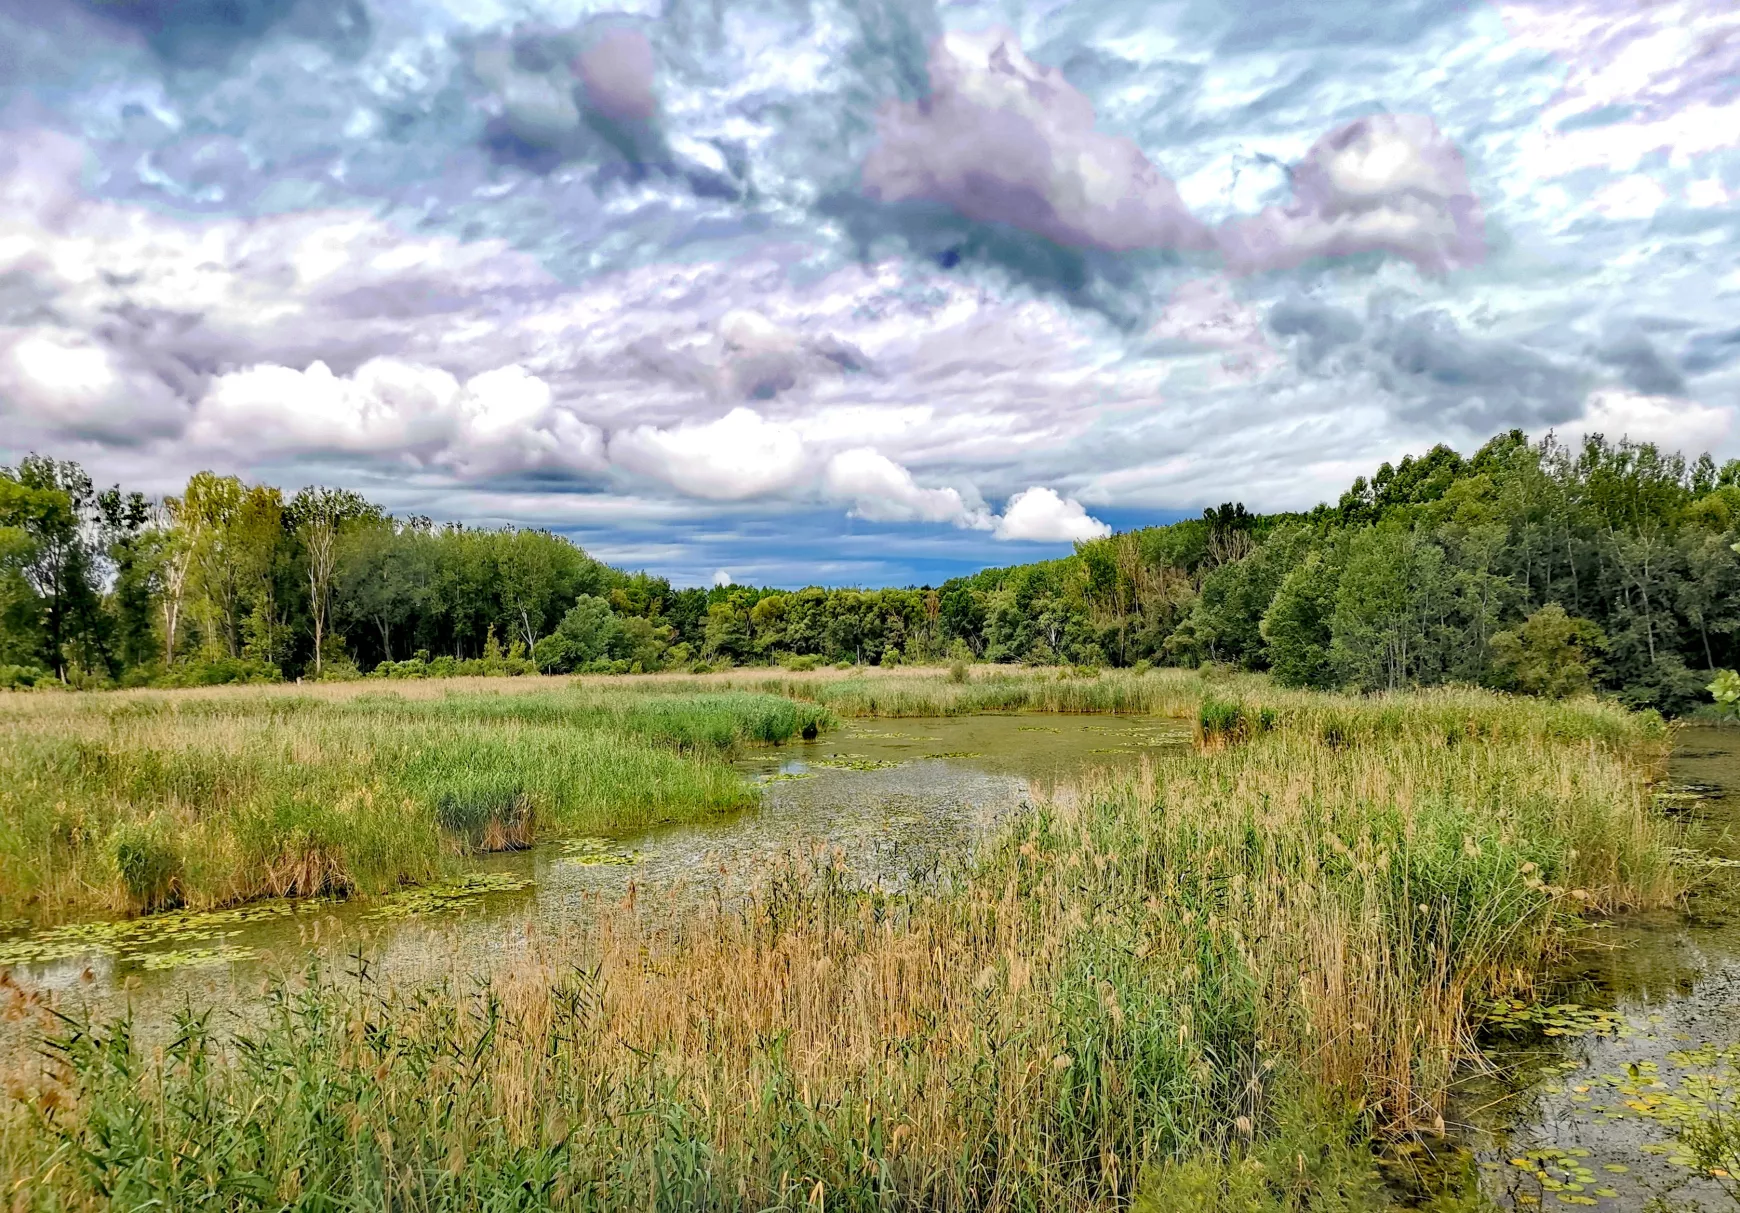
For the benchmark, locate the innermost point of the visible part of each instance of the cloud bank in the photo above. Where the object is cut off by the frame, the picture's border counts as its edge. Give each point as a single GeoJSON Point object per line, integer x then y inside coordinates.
{"type": "Point", "coordinates": [691, 284]}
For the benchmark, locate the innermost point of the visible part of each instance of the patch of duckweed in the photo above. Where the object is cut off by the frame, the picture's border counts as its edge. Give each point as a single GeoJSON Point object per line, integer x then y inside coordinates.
{"type": "Point", "coordinates": [195, 958]}
{"type": "Point", "coordinates": [1567, 1019]}
{"type": "Point", "coordinates": [460, 894]}
{"type": "Point", "coordinates": [787, 776]}
{"type": "Point", "coordinates": [137, 939]}
{"type": "Point", "coordinates": [857, 762]}
{"type": "Point", "coordinates": [596, 851]}
{"type": "Point", "coordinates": [954, 754]}
{"type": "Point", "coordinates": [1035, 728]}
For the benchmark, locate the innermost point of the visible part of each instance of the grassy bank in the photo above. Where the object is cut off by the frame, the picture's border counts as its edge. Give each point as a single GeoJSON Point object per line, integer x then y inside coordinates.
{"type": "Point", "coordinates": [1204, 985]}
{"type": "Point", "coordinates": [141, 800]}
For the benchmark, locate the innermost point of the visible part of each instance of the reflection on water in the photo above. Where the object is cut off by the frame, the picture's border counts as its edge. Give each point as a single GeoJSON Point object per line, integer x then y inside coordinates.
{"type": "Point", "coordinates": [893, 797]}
{"type": "Point", "coordinates": [1590, 1115]}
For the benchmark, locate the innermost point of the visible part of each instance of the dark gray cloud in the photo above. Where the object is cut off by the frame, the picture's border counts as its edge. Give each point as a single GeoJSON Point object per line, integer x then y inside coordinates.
{"type": "Point", "coordinates": [1640, 364]}
{"type": "Point", "coordinates": [1321, 327]}
{"type": "Point", "coordinates": [1485, 384]}
{"type": "Point", "coordinates": [1430, 368]}
{"type": "Point", "coordinates": [208, 32]}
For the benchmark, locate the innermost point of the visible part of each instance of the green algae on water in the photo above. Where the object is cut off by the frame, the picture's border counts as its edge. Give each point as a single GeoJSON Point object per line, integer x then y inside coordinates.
{"type": "Point", "coordinates": [596, 851]}
{"type": "Point", "coordinates": [460, 894]}
{"type": "Point", "coordinates": [132, 940]}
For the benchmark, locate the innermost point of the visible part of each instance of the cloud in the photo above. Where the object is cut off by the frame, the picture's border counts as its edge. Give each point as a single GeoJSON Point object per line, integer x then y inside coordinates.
{"type": "Point", "coordinates": [616, 70]}
{"type": "Point", "coordinates": [883, 491]}
{"type": "Point", "coordinates": [1429, 367]}
{"type": "Point", "coordinates": [1676, 425]}
{"type": "Point", "coordinates": [721, 578]}
{"type": "Point", "coordinates": [1643, 367]}
{"type": "Point", "coordinates": [1389, 183]}
{"type": "Point", "coordinates": [740, 455]}
{"type": "Point", "coordinates": [1039, 515]}
{"type": "Point", "coordinates": [64, 380]}
{"type": "Point", "coordinates": [497, 422]}
{"type": "Point", "coordinates": [1002, 139]}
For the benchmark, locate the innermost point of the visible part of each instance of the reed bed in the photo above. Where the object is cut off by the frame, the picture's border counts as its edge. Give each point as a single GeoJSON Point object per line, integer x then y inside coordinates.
{"type": "Point", "coordinates": [138, 802]}
{"type": "Point", "coordinates": [1207, 984]}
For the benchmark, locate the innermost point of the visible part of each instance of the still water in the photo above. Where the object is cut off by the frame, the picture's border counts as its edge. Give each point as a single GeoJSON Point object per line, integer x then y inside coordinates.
{"type": "Point", "coordinates": [1582, 1107]}
{"type": "Point", "coordinates": [894, 798]}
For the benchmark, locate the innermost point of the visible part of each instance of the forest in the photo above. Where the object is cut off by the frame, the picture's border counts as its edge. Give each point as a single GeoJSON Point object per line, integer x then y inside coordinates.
{"type": "Point", "coordinates": [1538, 567]}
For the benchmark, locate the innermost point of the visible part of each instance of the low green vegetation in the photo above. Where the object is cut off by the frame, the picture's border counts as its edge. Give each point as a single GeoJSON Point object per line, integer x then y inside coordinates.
{"type": "Point", "coordinates": [150, 800]}
{"type": "Point", "coordinates": [1213, 983]}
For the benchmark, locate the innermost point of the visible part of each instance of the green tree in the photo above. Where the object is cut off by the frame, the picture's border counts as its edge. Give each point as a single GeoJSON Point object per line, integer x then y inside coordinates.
{"type": "Point", "coordinates": [585, 634]}
{"type": "Point", "coordinates": [1296, 626]}
{"type": "Point", "coordinates": [319, 516]}
{"type": "Point", "coordinates": [1551, 653]}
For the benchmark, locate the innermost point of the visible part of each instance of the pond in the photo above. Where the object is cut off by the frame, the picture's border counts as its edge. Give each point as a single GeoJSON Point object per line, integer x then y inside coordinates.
{"type": "Point", "coordinates": [891, 797]}
{"type": "Point", "coordinates": [1584, 1102]}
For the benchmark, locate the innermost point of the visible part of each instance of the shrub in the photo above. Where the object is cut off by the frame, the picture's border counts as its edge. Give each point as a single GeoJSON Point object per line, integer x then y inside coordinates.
{"type": "Point", "coordinates": [1551, 653]}
{"type": "Point", "coordinates": [1221, 722]}
{"type": "Point", "coordinates": [148, 865]}
{"type": "Point", "coordinates": [957, 670]}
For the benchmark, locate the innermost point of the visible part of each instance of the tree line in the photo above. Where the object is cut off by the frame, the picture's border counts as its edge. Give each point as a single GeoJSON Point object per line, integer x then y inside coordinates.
{"type": "Point", "coordinates": [1534, 566]}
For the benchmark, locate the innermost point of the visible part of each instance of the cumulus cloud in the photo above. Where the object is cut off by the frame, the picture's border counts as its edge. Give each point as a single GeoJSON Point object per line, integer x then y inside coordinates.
{"type": "Point", "coordinates": [883, 491]}
{"type": "Point", "coordinates": [1005, 140]}
{"type": "Point", "coordinates": [737, 456]}
{"type": "Point", "coordinates": [1388, 183]}
{"type": "Point", "coordinates": [1039, 515]}
{"type": "Point", "coordinates": [65, 380]}
{"type": "Point", "coordinates": [499, 421]}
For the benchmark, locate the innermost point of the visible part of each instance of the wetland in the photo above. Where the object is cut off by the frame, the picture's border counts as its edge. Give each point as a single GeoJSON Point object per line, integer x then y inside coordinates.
{"type": "Point", "coordinates": [1034, 941]}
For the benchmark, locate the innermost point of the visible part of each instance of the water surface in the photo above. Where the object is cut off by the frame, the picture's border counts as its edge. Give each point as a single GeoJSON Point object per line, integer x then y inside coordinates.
{"type": "Point", "coordinates": [891, 798]}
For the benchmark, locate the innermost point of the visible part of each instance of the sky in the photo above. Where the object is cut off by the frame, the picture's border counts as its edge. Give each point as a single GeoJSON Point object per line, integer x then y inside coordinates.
{"type": "Point", "coordinates": [857, 291]}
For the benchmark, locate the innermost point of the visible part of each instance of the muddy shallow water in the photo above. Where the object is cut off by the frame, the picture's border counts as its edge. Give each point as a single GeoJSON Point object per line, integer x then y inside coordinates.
{"type": "Point", "coordinates": [893, 797]}
{"type": "Point", "coordinates": [1584, 1106]}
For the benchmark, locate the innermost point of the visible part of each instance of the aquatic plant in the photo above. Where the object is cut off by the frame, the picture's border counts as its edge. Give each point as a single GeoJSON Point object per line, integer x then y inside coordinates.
{"type": "Point", "coordinates": [1205, 983]}
{"type": "Point", "coordinates": [142, 801]}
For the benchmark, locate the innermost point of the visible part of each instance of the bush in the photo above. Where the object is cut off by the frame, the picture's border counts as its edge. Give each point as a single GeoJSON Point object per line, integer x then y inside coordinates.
{"type": "Point", "coordinates": [19, 677]}
{"type": "Point", "coordinates": [148, 865]}
{"type": "Point", "coordinates": [1222, 722]}
{"type": "Point", "coordinates": [801, 665]}
{"type": "Point", "coordinates": [1551, 653]}
{"type": "Point", "coordinates": [1726, 690]}
{"type": "Point", "coordinates": [957, 670]}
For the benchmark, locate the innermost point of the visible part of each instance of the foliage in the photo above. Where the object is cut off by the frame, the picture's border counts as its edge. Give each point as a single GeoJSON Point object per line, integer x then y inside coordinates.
{"type": "Point", "coordinates": [1550, 654]}
{"type": "Point", "coordinates": [1427, 573]}
{"type": "Point", "coordinates": [1726, 691]}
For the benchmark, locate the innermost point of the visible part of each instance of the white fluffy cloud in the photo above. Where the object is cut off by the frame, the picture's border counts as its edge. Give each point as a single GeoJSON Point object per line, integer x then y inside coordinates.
{"type": "Point", "coordinates": [1677, 425]}
{"type": "Point", "coordinates": [883, 491]}
{"type": "Point", "coordinates": [739, 455]}
{"type": "Point", "coordinates": [502, 420]}
{"type": "Point", "coordinates": [1387, 183]}
{"type": "Point", "coordinates": [1038, 514]}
